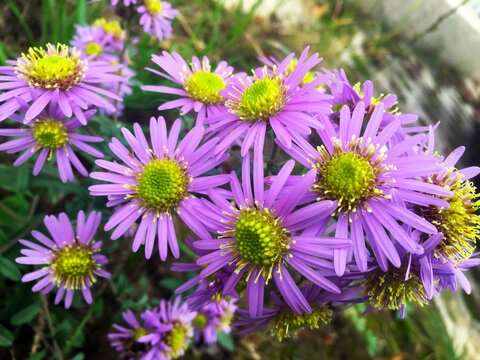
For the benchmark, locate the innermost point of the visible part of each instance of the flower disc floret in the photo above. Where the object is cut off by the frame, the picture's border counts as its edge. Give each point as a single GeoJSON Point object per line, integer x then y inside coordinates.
{"type": "Point", "coordinates": [110, 27]}
{"type": "Point", "coordinates": [350, 176]}
{"type": "Point", "coordinates": [204, 86]}
{"type": "Point", "coordinates": [459, 223]}
{"type": "Point", "coordinates": [200, 321]}
{"type": "Point", "coordinates": [259, 237]}
{"type": "Point", "coordinates": [93, 48]}
{"type": "Point", "coordinates": [73, 264]}
{"type": "Point", "coordinates": [55, 68]}
{"type": "Point", "coordinates": [287, 322]}
{"type": "Point", "coordinates": [178, 339]}
{"type": "Point", "coordinates": [154, 7]}
{"type": "Point", "coordinates": [162, 184]}
{"type": "Point", "coordinates": [262, 100]}
{"type": "Point", "coordinates": [391, 290]}
{"type": "Point", "coordinates": [50, 133]}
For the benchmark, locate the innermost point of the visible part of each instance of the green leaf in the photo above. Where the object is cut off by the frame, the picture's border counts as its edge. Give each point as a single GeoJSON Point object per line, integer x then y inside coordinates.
{"type": "Point", "coordinates": [170, 284]}
{"type": "Point", "coordinates": [6, 337]}
{"type": "Point", "coordinates": [38, 356]}
{"type": "Point", "coordinates": [226, 341]}
{"type": "Point", "coordinates": [26, 315]}
{"type": "Point", "coordinates": [79, 356]}
{"type": "Point", "coordinates": [9, 269]}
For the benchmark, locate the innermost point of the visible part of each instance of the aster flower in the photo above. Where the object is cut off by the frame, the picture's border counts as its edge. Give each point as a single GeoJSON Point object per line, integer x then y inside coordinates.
{"type": "Point", "coordinates": [143, 341]}
{"type": "Point", "coordinates": [270, 98]}
{"type": "Point", "coordinates": [70, 262]}
{"type": "Point", "coordinates": [155, 181]}
{"type": "Point", "coordinates": [200, 86]}
{"type": "Point", "coordinates": [101, 40]}
{"type": "Point", "coordinates": [283, 322]}
{"type": "Point", "coordinates": [357, 170]}
{"type": "Point", "coordinates": [55, 75]}
{"type": "Point", "coordinates": [212, 317]}
{"type": "Point", "coordinates": [258, 236]}
{"type": "Point", "coordinates": [155, 18]}
{"type": "Point", "coordinates": [125, 2]}
{"type": "Point", "coordinates": [273, 62]}
{"type": "Point", "coordinates": [51, 134]}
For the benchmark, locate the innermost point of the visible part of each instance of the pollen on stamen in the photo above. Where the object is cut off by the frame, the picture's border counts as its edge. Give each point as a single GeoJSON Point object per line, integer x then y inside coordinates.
{"type": "Point", "coordinates": [204, 86]}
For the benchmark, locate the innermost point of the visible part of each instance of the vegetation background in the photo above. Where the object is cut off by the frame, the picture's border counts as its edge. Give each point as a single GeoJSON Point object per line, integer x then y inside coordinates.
{"type": "Point", "coordinates": [32, 328]}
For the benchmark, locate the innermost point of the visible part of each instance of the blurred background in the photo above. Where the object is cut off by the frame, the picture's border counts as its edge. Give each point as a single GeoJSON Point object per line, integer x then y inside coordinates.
{"type": "Point", "coordinates": [424, 51]}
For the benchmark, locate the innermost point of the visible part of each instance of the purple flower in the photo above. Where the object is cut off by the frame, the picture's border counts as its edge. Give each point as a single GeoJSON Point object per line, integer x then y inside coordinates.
{"type": "Point", "coordinates": [156, 180]}
{"type": "Point", "coordinates": [144, 341]}
{"type": "Point", "coordinates": [56, 76]}
{"type": "Point", "coordinates": [51, 134]}
{"type": "Point", "coordinates": [70, 262]}
{"type": "Point", "coordinates": [99, 41]}
{"type": "Point", "coordinates": [125, 2]}
{"type": "Point", "coordinates": [283, 322]}
{"type": "Point", "coordinates": [263, 238]}
{"type": "Point", "coordinates": [213, 317]}
{"type": "Point", "coordinates": [155, 18]}
{"type": "Point", "coordinates": [200, 86]}
{"type": "Point", "coordinates": [365, 176]}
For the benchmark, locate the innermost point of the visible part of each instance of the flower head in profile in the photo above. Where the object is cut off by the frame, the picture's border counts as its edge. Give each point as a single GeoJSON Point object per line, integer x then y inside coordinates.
{"type": "Point", "coordinates": [212, 317]}
{"type": "Point", "coordinates": [270, 97]}
{"type": "Point", "coordinates": [58, 76]}
{"type": "Point", "coordinates": [260, 236]}
{"type": "Point", "coordinates": [141, 340]}
{"type": "Point", "coordinates": [357, 170]}
{"type": "Point", "coordinates": [200, 85]}
{"type": "Point", "coordinates": [48, 135]}
{"type": "Point", "coordinates": [155, 18]}
{"type": "Point", "coordinates": [155, 181]}
{"type": "Point", "coordinates": [70, 262]}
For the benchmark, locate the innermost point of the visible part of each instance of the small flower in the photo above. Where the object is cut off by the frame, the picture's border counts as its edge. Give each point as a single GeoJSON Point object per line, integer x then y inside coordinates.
{"type": "Point", "coordinates": [212, 317]}
{"type": "Point", "coordinates": [71, 262]}
{"type": "Point", "coordinates": [56, 76]}
{"type": "Point", "coordinates": [272, 98]}
{"type": "Point", "coordinates": [142, 340]}
{"type": "Point", "coordinates": [355, 168]}
{"type": "Point", "coordinates": [200, 86]}
{"type": "Point", "coordinates": [155, 18]}
{"type": "Point", "coordinates": [258, 236]}
{"type": "Point", "coordinates": [50, 134]}
{"type": "Point", "coordinates": [155, 181]}
{"type": "Point", "coordinates": [125, 2]}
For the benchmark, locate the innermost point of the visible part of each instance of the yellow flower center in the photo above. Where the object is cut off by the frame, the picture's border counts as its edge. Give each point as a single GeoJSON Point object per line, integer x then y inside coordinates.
{"type": "Point", "coordinates": [163, 184]}
{"type": "Point", "coordinates": [93, 48]}
{"type": "Point", "coordinates": [57, 68]}
{"type": "Point", "coordinates": [154, 7]}
{"type": "Point", "coordinates": [111, 27]}
{"type": "Point", "coordinates": [350, 177]}
{"type": "Point", "coordinates": [73, 265]}
{"type": "Point", "coordinates": [178, 339]}
{"type": "Point", "coordinates": [204, 86]}
{"type": "Point", "coordinates": [50, 133]}
{"type": "Point", "coordinates": [287, 322]}
{"type": "Point", "coordinates": [200, 321]}
{"type": "Point", "coordinates": [391, 290]}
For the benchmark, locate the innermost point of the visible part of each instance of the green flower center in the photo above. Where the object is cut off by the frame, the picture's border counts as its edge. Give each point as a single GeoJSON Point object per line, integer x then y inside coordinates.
{"type": "Point", "coordinates": [262, 100]}
{"type": "Point", "coordinates": [350, 177]}
{"type": "Point", "coordinates": [154, 7]}
{"type": "Point", "coordinates": [138, 333]}
{"type": "Point", "coordinates": [260, 238]}
{"type": "Point", "coordinates": [460, 223]}
{"type": "Point", "coordinates": [50, 133]}
{"type": "Point", "coordinates": [93, 48]}
{"type": "Point", "coordinates": [59, 69]}
{"type": "Point", "coordinates": [204, 86]}
{"type": "Point", "coordinates": [177, 339]}
{"type": "Point", "coordinates": [73, 264]}
{"type": "Point", "coordinates": [200, 321]}
{"type": "Point", "coordinates": [162, 184]}
{"type": "Point", "coordinates": [391, 290]}
{"type": "Point", "coordinates": [286, 322]}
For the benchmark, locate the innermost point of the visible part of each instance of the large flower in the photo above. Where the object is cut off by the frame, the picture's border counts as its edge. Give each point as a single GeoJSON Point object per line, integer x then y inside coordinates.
{"type": "Point", "coordinates": [155, 18]}
{"type": "Point", "coordinates": [264, 238]}
{"type": "Point", "coordinates": [70, 262]}
{"type": "Point", "coordinates": [271, 97]}
{"type": "Point", "coordinates": [356, 169]}
{"type": "Point", "coordinates": [200, 86]}
{"type": "Point", "coordinates": [56, 76]}
{"type": "Point", "coordinates": [155, 181]}
{"type": "Point", "coordinates": [51, 134]}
